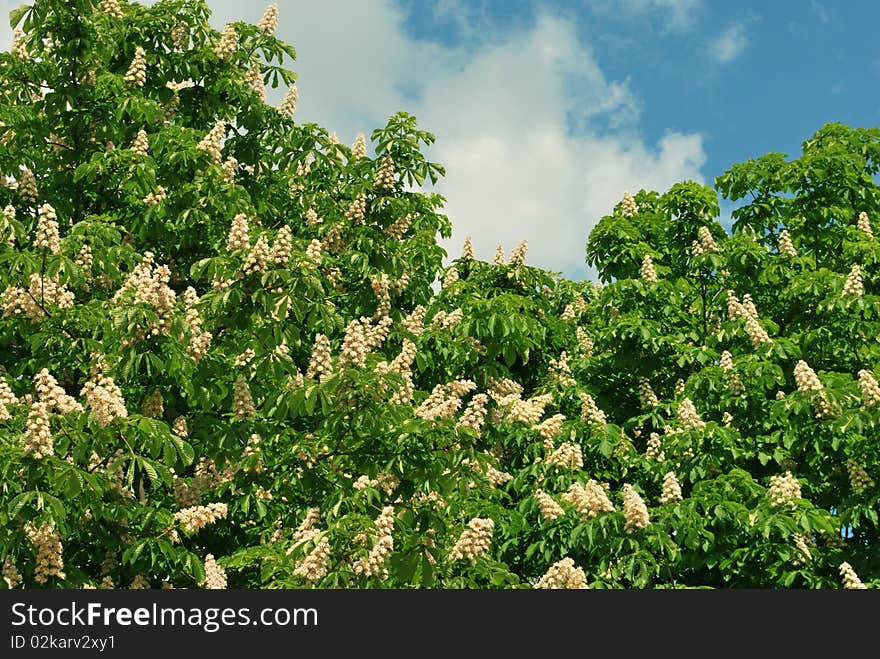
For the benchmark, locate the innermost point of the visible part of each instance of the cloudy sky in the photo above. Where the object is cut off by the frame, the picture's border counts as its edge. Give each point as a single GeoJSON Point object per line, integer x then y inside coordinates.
{"type": "Point", "coordinates": [545, 112]}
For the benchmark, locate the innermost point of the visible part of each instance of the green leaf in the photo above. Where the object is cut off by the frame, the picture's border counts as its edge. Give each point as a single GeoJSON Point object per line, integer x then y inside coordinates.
{"type": "Point", "coordinates": [17, 14]}
{"type": "Point", "coordinates": [18, 502]}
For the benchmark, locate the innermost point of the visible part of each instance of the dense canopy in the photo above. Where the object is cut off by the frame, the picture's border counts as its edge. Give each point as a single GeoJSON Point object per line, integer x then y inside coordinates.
{"type": "Point", "coordinates": [233, 353]}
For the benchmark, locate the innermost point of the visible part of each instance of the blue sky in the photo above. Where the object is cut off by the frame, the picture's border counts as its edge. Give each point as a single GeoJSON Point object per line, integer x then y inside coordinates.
{"type": "Point", "coordinates": [545, 112]}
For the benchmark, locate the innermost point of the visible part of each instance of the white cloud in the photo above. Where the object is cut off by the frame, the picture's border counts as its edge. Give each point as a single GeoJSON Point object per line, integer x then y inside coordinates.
{"type": "Point", "coordinates": [820, 12]}
{"type": "Point", "coordinates": [502, 110]}
{"type": "Point", "coordinates": [730, 44]}
{"type": "Point", "coordinates": [674, 15]}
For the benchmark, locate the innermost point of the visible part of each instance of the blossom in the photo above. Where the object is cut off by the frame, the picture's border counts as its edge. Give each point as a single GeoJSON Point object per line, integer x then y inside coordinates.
{"type": "Point", "coordinates": [628, 206]}
{"type": "Point", "coordinates": [647, 271]}
{"type": "Point", "coordinates": [137, 70]}
{"type": "Point", "coordinates": [563, 575]}
{"type": "Point", "coordinates": [474, 540]}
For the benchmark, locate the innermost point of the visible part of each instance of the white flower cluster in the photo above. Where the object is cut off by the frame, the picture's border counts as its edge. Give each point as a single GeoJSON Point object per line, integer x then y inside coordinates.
{"type": "Point", "coordinates": [257, 258]}
{"type": "Point", "coordinates": [560, 370]}
{"type": "Point", "coordinates": [524, 411]}
{"type": "Point", "coordinates": [706, 244]}
{"type": "Point", "coordinates": [180, 35]}
{"type": "Point", "coordinates": [313, 567]}
{"type": "Point", "coordinates": [269, 22]}
{"type": "Point", "coordinates": [671, 489]}
{"type": "Point", "coordinates": [359, 148]}
{"type": "Point", "coordinates": [500, 388]}
{"type": "Point", "coordinates": [253, 78]}
{"type": "Point", "coordinates": [47, 542]}
{"type": "Point", "coordinates": [53, 395]}
{"type": "Point", "coordinates": [467, 250]}
{"type": "Point", "coordinates": [111, 8]}
{"type": "Point", "coordinates": [786, 246]}
{"type": "Point", "coordinates": [27, 185]}
{"type": "Point", "coordinates": [734, 382]}
{"type": "Point", "coordinates": [688, 416]}
{"type": "Point", "coordinates": [40, 294]}
{"type": "Point", "coordinates": [474, 414]}
{"type": "Point", "coordinates": [851, 580]}
{"type": "Point", "coordinates": [7, 397]}
{"type": "Point", "coordinates": [353, 351]}
{"type": "Point", "coordinates": [9, 214]}
{"type": "Point", "coordinates": [590, 412]}
{"type": "Point", "coordinates": [374, 563]}
{"type": "Point", "coordinates": [244, 358]}
{"type": "Point", "coordinates": [415, 320]}
{"type": "Point", "coordinates": [357, 209]}
{"type": "Point", "coordinates": [634, 510]}
{"type": "Point", "coordinates": [450, 277]}
{"type": "Point", "coordinates": [239, 234]}
{"type": "Point", "coordinates": [518, 253]}
{"type": "Point", "coordinates": [567, 455]}
{"type": "Point", "coordinates": [647, 397]}
{"type": "Point", "coordinates": [801, 544]}
{"type": "Point", "coordinates": [563, 575]}
{"type": "Point", "coordinates": [859, 479]}
{"type": "Point", "coordinates": [474, 540]}
{"type": "Point", "coordinates": [196, 518]}
{"type": "Point", "coordinates": [179, 427]}
{"type": "Point", "coordinates": [230, 168]}
{"type": "Point", "coordinates": [280, 253]}
{"type": "Point", "coordinates": [647, 271]}
{"type": "Point", "coordinates": [870, 388]}
{"type": "Point", "coordinates": [499, 256]}
{"type": "Point", "coordinates": [157, 197]}
{"type": "Point", "coordinates": [808, 382]}
{"type": "Point", "coordinates": [385, 176]}
{"type": "Point", "coordinates": [150, 285]}
{"type": "Point", "coordinates": [11, 575]}
{"type": "Point", "coordinates": [242, 401]}
{"type": "Point", "coordinates": [445, 320]}
{"type": "Point", "coordinates": [38, 434]}
{"type": "Point", "coordinates": [320, 363]}
{"type": "Point", "coordinates": [550, 510]}
{"type": "Point", "coordinates": [47, 230]}
{"type": "Point", "coordinates": [444, 400]}
{"type": "Point", "coordinates": [398, 228]}
{"type": "Point", "coordinates": [307, 530]}
{"type": "Point", "coordinates": [784, 489]}
{"type": "Point", "coordinates": [288, 105]}
{"type": "Point", "coordinates": [19, 48]}
{"type": "Point", "coordinates": [550, 428]}
{"type": "Point", "coordinates": [84, 259]}
{"type": "Point", "coordinates": [312, 217]}
{"type": "Point", "coordinates": [227, 43]}
{"type": "Point", "coordinates": [140, 582]}
{"type": "Point", "coordinates": [679, 387]}
{"type": "Point", "coordinates": [137, 70]}
{"type": "Point", "coordinates": [215, 575]}
{"type": "Point", "coordinates": [199, 340]}
{"type": "Point", "coordinates": [212, 143]}
{"type": "Point", "coordinates": [628, 206]}
{"type": "Point", "coordinates": [141, 143]}
{"type": "Point", "coordinates": [853, 287]}
{"type": "Point", "coordinates": [654, 450]}
{"type": "Point", "coordinates": [746, 310]}
{"type": "Point", "coordinates": [590, 500]}
{"type": "Point", "coordinates": [105, 400]}
{"type": "Point", "coordinates": [864, 224]}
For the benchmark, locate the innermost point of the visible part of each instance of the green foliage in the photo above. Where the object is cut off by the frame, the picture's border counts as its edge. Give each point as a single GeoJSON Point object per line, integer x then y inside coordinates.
{"type": "Point", "coordinates": [227, 340]}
